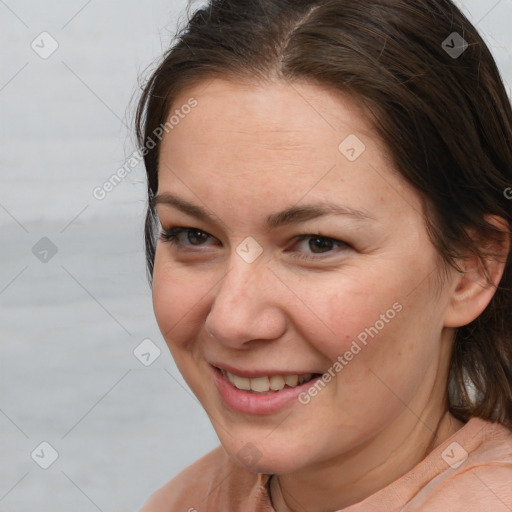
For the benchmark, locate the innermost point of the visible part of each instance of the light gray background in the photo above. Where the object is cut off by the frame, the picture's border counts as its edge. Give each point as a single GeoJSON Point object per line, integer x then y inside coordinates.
{"type": "Point", "coordinates": [68, 327]}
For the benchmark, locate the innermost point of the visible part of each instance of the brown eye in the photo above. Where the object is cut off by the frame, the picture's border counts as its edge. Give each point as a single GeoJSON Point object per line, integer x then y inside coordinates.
{"type": "Point", "coordinates": [196, 236]}
{"type": "Point", "coordinates": [320, 245]}
{"type": "Point", "coordinates": [314, 247]}
{"type": "Point", "coordinates": [185, 237]}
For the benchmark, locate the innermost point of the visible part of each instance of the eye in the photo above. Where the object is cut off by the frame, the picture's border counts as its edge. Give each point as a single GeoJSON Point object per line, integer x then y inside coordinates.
{"type": "Point", "coordinates": [307, 247]}
{"type": "Point", "coordinates": [317, 245]}
{"type": "Point", "coordinates": [184, 236]}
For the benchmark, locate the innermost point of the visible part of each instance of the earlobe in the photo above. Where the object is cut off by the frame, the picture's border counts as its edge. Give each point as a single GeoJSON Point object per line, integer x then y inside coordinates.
{"type": "Point", "coordinates": [476, 284]}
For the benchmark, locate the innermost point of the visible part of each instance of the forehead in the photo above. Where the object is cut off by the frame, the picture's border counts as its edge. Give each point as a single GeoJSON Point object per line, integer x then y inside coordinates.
{"type": "Point", "coordinates": [270, 115]}
{"type": "Point", "coordinates": [260, 141]}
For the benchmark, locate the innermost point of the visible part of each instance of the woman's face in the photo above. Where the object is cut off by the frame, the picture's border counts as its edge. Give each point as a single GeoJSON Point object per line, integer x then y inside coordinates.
{"type": "Point", "coordinates": [307, 255]}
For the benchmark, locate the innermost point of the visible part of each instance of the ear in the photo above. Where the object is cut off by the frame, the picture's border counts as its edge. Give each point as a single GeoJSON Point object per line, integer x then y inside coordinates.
{"type": "Point", "coordinates": [475, 286]}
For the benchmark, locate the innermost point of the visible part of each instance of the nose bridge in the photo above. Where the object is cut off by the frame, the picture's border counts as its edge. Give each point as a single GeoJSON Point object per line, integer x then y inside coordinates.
{"type": "Point", "coordinates": [243, 307]}
{"type": "Point", "coordinates": [241, 286]}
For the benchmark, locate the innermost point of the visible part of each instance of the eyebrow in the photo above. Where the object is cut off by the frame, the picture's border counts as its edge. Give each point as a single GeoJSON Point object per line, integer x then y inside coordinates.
{"type": "Point", "coordinates": [292, 215]}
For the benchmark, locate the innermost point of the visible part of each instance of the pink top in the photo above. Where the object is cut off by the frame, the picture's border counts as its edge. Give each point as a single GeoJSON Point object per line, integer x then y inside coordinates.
{"type": "Point", "coordinates": [470, 472]}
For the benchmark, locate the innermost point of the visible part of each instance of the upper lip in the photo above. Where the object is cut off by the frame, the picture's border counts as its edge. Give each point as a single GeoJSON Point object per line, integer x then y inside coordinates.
{"type": "Point", "coordinates": [253, 373]}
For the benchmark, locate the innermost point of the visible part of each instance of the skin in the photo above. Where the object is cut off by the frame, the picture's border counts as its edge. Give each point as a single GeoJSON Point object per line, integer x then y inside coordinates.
{"type": "Point", "coordinates": [251, 150]}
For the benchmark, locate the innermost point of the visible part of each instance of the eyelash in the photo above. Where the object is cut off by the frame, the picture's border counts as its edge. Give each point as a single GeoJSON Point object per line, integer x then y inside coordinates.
{"type": "Point", "coordinates": [171, 236]}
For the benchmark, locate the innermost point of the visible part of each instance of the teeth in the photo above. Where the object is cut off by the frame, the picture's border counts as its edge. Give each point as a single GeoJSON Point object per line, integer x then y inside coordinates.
{"type": "Point", "coordinates": [260, 384]}
{"type": "Point", "coordinates": [291, 380]}
{"type": "Point", "coordinates": [241, 383]}
{"type": "Point", "coordinates": [266, 384]}
{"type": "Point", "coordinates": [277, 382]}
{"type": "Point", "coordinates": [304, 378]}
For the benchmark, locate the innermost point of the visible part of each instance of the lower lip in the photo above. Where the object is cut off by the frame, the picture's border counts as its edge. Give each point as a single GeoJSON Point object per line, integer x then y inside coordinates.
{"type": "Point", "coordinates": [253, 403]}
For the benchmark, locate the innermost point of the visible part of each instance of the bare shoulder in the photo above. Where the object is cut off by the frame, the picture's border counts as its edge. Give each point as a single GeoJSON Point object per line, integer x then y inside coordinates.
{"type": "Point", "coordinates": [188, 486]}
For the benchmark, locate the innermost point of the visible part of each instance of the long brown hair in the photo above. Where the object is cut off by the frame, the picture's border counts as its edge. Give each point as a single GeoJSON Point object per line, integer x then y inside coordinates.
{"type": "Point", "coordinates": [434, 94]}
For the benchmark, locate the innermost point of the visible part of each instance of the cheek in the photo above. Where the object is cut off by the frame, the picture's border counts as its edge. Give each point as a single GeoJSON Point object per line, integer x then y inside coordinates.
{"type": "Point", "coordinates": [346, 308]}
{"type": "Point", "coordinates": [373, 321]}
{"type": "Point", "coordinates": [176, 302]}
{"type": "Point", "coordinates": [386, 330]}
{"type": "Point", "coordinates": [164, 299]}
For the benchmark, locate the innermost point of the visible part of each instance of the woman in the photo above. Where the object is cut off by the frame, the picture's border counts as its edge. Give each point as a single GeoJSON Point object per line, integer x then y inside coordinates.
{"type": "Point", "coordinates": [328, 238]}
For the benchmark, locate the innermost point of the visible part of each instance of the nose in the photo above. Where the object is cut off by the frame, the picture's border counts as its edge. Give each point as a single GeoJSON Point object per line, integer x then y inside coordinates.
{"type": "Point", "coordinates": [246, 306]}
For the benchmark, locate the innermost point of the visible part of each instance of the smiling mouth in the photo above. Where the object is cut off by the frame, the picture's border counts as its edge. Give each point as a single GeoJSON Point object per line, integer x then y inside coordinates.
{"type": "Point", "coordinates": [267, 385]}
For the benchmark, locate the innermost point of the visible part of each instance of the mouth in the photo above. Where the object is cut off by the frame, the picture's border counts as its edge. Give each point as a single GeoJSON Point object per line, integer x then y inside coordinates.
{"type": "Point", "coordinates": [268, 384]}
{"type": "Point", "coordinates": [258, 394]}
